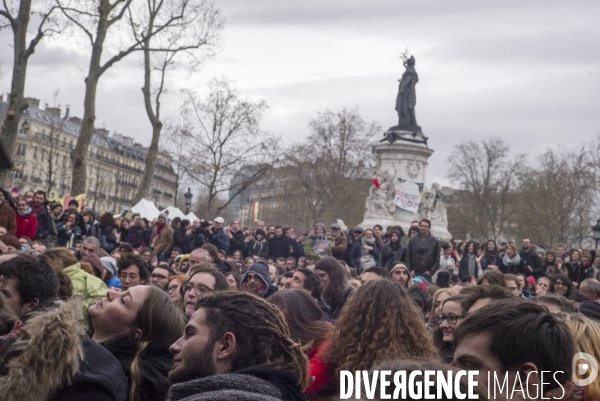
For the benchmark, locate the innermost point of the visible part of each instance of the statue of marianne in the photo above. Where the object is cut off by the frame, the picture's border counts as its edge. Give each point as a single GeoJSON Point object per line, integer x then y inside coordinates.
{"type": "Point", "coordinates": [407, 96]}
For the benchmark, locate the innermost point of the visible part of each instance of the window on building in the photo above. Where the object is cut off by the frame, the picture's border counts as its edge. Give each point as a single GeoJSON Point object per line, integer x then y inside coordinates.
{"type": "Point", "coordinates": [21, 149]}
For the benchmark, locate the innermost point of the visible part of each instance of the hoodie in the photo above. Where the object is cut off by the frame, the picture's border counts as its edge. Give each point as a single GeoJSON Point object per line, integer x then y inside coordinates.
{"type": "Point", "coordinates": [261, 269]}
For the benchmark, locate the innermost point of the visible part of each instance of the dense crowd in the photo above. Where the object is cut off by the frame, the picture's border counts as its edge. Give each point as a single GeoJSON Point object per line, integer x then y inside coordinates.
{"type": "Point", "coordinates": [104, 308]}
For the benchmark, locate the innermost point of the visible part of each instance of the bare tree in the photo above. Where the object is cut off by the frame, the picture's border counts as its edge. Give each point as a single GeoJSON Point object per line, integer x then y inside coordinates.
{"type": "Point", "coordinates": [328, 175]}
{"type": "Point", "coordinates": [198, 30]}
{"type": "Point", "coordinates": [51, 156]}
{"type": "Point", "coordinates": [487, 181]}
{"type": "Point", "coordinates": [16, 15]}
{"type": "Point", "coordinates": [223, 134]}
{"type": "Point", "coordinates": [555, 200]}
{"type": "Point", "coordinates": [174, 144]}
{"type": "Point", "coordinates": [95, 18]}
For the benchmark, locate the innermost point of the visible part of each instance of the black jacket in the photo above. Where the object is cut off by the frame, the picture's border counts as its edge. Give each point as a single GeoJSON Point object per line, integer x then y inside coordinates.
{"type": "Point", "coordinates": [530, 258]}
{"type": "Point", "coordinates": [279, 247]}
{"type": "Point", "coordinates": [576, 270]}
{"type": "Point", "coordinates": [155, 363]}
{"type": "Point", "coordinates": [391, 254]}
{"type": "Point", "coordinates": [100, 377]}
{"type": "Point", "coordinates": [180, 239]}
{"type": "Point", "coordinates": [430, 259]}
{"type": "Point", "coordinates": [236, 242]}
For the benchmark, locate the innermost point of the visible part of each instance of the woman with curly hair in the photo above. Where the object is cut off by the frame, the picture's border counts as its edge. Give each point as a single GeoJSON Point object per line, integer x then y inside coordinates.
{"type": "Point", "coordinates": [561, 285]}
{"type": "Point", "coordinates": [379, 323]}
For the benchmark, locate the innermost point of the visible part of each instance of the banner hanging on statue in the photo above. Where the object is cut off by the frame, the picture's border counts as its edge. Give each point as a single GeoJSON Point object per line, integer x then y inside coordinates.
{"type": "Point", "coordinates": [407, 201]}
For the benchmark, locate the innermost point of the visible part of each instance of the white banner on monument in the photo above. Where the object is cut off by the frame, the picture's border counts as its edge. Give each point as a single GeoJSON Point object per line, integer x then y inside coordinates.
{"type": "Point", "coordinates": [407, 201]}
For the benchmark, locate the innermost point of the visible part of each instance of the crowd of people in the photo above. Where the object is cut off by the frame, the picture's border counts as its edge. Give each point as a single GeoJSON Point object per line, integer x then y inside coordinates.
{"type": "Point", "coordinates": [130, 309]}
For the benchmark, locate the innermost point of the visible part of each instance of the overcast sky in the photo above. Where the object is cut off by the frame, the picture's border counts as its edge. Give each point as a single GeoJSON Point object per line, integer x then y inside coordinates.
{"type": "Point", "coordinates": [527, 71]}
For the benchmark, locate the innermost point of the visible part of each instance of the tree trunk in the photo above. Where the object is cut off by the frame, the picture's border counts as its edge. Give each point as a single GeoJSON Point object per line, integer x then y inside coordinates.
{"type": "Point", "coordinates": [79, 154]}
{"type": "Point", "coordinates": [154, 118]}
{"type": "Point", "coordinates": [16, 101]}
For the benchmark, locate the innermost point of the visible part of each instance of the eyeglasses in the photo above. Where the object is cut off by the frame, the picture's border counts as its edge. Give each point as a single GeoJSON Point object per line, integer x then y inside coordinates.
{"type": "Point", "coordinates": [251, 276]}
{"type": "Point", "coordinates": [159, 276]}
{"type": "Point", "coordinates": [452, 318]}
{"type": "Point", "coordinates": [200, 288]}
{"type": "Point", "coordinates": [173, 288]}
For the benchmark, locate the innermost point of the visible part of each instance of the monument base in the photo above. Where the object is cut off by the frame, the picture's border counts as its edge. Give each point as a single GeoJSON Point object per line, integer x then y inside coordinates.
{"type": "Point", "coordinates": [401, 168]}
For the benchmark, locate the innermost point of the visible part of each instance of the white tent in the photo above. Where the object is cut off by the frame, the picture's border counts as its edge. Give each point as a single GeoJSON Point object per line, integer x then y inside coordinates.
{"type": "Point", "coordinates": [173, 212]}
{"type": "Point", "coordinates": [146, 209]}
{"type": "Point", "coordinates": [191, 217]}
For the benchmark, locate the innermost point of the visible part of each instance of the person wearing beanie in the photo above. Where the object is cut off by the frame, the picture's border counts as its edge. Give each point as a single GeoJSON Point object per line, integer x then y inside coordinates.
{"type": "Point", "coordinates": [258, 246]}
{"type": "Point", "coordinates": [258, 281]}
{"type": "Point", "coordinates": [311, 241]}
{"type": "Point", "coordinates": [162, 238]}
{"type": "Point", "coordinates": [541, 253]}
{"type": "Point", "coordinates": [401, 274]}
{"type": "Point", "coordinates": [110, 272]}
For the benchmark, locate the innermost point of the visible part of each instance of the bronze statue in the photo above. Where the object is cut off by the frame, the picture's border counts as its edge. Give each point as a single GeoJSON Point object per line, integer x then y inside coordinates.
{"type": "Point", "coordinates": [407, 96]}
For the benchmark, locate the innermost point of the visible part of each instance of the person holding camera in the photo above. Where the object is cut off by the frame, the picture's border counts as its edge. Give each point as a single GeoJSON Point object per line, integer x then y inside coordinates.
{"type": "Point", "coordinates": [217, 235]}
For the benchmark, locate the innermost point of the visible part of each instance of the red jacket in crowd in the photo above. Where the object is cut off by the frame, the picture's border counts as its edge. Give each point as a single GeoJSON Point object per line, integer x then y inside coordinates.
{"type": "Point", "coordinates": [26, 226]}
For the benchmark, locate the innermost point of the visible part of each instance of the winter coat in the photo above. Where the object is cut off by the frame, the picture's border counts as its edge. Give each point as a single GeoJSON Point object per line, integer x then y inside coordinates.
{"type": "Point", "coordinates": [26, 226]}
{"type": "Point", "coordinates": [237, 241]}
{"type": "Point", "coordinates": [357, 252]}
{"type": "Point", "coordinates": [463, 268]}
{"type": "Point", "coordinates": [494, 260]}
{"type": "Point", "coordinates": [220, 240]}
{"type": "Point", "coordinates": [257, 383]}
{"type": "Point", "coordinates": [108, 239]}
{"type": "Point", "coordinates": [69, 367]}
{"type": "Point", "coordinates": [155, 364]}
{"type": "Point", "coordinates": [430, 259]}
{"type": "Point", "coordinates": [164, 244]}
{"type": "Point", "coordinates": [258, 248]}
{"type": "Point", "coordinates": [81, 223]}
{"type": "Point", "coordinates": [8, 218]}
{"type": "Point", "coordinates": [279, 247]}
{"type": "Point", "coordinates": [318, 369]}
{"type": "Point", "coordinates": [179, 238]}
{"type": "Point", "coordinates": [576, 271]}
{"type": "Point", "coordinates": [308, 248]}
{"type": "Point", "coordinates": [45, 225]}
{"type": "Point", "coordinates": [337, 249]}
{"type": "Point", "coordinates": [67, 236]}
{"type": "Point", "coordinates": [511, 269]}
{"type": "Point", "coordinates": [390, 255]}
{"type": "Point", "coordinates": [530, 258]}
{"type": "Point", "coordinates": [135, 237]}
{"type": "Point", "coordinates": [196, 240]}
{"type": "Point", "coordinates": [89, 287]}
{"type": "Point", "coordinates": [93, 230]}
{"type": "Point", "coordinates": [298, 249]}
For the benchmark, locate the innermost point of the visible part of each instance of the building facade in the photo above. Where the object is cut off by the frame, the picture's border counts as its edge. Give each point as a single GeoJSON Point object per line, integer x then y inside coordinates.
{"type": "Point", "coordinates": [115, 163]}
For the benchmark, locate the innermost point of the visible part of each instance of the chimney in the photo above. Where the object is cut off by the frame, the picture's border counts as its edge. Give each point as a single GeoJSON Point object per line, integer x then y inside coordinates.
{"type": "Point", "coordinates": [102, 132]}
{"type": "Point", "coordinates": [67, 111]}
{"type": "Point", "coordinates": [55, 111]}
{"type": "Point", "coordinates": [75, 120]}
{"type": "Point", "coordinates": [31, 101]}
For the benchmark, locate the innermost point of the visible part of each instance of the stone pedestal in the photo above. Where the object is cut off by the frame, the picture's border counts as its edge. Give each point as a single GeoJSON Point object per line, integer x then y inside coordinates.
{"type": "Point", "coordinates": [402, 165]}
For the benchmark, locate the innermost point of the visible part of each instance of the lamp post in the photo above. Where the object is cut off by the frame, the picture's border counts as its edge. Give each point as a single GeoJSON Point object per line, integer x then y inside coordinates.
{"type": "Point", "coordinates": [188, 201]}
{"type": "Point", "coordinates": [596, 232]}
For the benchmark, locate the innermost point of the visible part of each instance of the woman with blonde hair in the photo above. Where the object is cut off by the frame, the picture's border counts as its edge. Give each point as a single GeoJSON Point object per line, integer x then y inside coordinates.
{"type": "Point", "coordinates": [586, 335]}
{"type": "Point", "coordinates": [380, 322]}
{"type": "Point", "coordinates": [437, 302]}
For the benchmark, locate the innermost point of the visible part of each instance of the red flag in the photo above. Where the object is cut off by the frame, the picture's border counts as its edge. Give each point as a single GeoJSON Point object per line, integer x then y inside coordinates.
{"type": "Point", "coordinates": [376, 182]}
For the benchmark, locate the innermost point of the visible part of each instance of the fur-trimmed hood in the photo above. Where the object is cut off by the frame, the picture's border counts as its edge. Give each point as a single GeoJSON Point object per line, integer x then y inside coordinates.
{"type": "Point", "coordinates": [45, 354]}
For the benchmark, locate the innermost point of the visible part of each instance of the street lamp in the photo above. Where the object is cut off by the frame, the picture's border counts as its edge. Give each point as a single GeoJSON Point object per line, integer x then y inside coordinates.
{"type": "Point", "coordinates": [596, 232]}
{"type": "Point", "coordinates": [188, 201]}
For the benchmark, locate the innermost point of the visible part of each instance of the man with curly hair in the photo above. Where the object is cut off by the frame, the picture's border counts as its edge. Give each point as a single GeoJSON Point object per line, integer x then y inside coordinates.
{"type": "Point", "coordinates": [237, 346]}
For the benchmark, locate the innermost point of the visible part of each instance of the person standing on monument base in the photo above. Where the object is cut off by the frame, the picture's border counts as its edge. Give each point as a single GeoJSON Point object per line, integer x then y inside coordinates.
{"type": "Point", "coordinates": [423, 252]}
